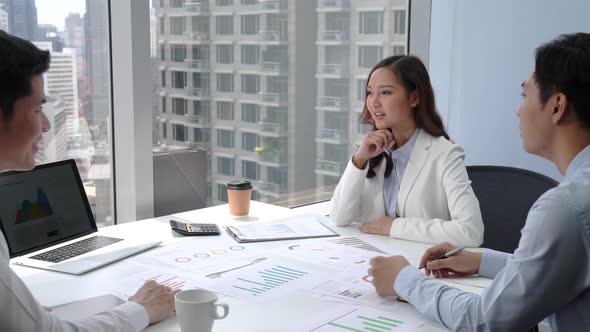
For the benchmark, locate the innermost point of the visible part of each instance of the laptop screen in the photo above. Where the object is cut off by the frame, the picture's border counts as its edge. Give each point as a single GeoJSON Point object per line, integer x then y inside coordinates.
{"type": "Point", "coordinates": [43, 207]}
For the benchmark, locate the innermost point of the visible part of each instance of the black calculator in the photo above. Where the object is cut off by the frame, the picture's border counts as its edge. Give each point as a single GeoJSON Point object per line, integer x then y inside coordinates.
{"type": "Point", "coordinates": [192, 229]}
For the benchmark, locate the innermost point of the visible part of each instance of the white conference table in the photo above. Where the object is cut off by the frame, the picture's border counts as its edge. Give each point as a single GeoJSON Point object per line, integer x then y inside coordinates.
{"type": "Point", "coordinates": [52, 288]}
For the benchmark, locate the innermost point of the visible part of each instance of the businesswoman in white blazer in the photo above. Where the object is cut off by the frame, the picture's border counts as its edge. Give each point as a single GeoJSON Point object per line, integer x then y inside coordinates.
{"type": "Point", "coordinates": [407, 179]}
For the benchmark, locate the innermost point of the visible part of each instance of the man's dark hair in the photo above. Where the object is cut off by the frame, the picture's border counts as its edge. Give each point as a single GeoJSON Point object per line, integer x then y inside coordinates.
{"type": "Point", "coordinates": [563, 66]}
{"type": "Point", "coordinates": [20, 61]}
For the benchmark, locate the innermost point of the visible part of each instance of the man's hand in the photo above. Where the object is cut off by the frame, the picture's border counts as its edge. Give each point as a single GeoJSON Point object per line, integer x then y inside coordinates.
{"type": "Point", "coordinates": [157, 300]}
{"type": "Point", "coordinates": [384, 271]}
{"type": "Point", "coordinates": [464, 263]}
{"type": "Point", "coordinates": [380, 226]}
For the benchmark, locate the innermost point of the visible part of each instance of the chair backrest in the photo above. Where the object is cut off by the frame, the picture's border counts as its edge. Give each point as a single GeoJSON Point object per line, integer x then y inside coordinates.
{"type": "Point", "coordinates": [180, 181]}
{"type": "Point", "coordinates": [506, 194]}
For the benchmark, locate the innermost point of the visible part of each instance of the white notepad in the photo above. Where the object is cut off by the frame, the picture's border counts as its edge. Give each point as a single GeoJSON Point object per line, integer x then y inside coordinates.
{"type": "Point", "coordinates": [298, 227]}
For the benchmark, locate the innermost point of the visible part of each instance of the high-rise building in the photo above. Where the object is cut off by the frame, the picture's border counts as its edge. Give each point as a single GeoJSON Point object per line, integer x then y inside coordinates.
{"type": "Point", "coordinates": [3, 18]}
{"type": "Point", "coordinates": [54, 144]}
{"type": "Point", "coordinates": [352, 37]}
{"type": "Point", "coordinates": [235, 79]}
{"type": "Point", "coordinates": [62, 78]}
{"type": "Point", "coordinates": [74, 38]}
{"type": "Point", "coordinates": [22, 18]}
{"type": "Point", "coordinates": [97, 59]}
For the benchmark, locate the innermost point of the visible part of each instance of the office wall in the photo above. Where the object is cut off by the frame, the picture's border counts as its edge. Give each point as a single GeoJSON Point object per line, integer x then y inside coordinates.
{"type": "Point", "coordinates": [481, 51]}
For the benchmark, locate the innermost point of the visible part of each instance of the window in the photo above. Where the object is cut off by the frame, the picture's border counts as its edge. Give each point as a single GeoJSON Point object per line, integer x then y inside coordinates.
{"type": "Point", "coordinates": [163, 105]}
{"type": "Point", "coordinates": [225, 54]}
{"type": "Point", "coordinates": [250, 84]}
{"type": "Point", "coordinates": [371, 22]}
{"type": "Point", "coordinates": [178, 53]}
{"type": "Point", "coordinates": [250, 141]}
{"type": "Point", "coordinates": [164, 128]}
{"type": "Point", "coordinates": [249, 24]}
{"type": "Point", "coordinates": [201, 52]}
{"type": "Point", "coordinates": [225, 110]}
{"type": "Point", "coordinates": [177, 25]}
{"type": "Point", "coordinates": [201, 135]}
{"type": "Point", "coordinates": [176, 3]}
{"type": "Point", "coordinates": [249, 170]}
{"type": "Point", "coordinates": [179, 106]}
{"type": "Point", "coordinates": [201, 108]}
{"type": "Point", "coordinates": [277, 175]}
{"type": "Point", "coordinates": [178, 79]}
{"type": "Point", "coordinates": [225, 82]}
{"type": "Point", "coordinates": [163, 80]}
{"type": "Point", "coordinates": [162, 53]}
{"type": "Point", "coordinates": [399, 21]}
{"type": "Point", "coordinates": [225, 166]}
{"type": "Point", "coordinates": [250, 113]}
{"type": "Point", "coordinates": [250, 54]}
{"type": "Point", "coordinates": [201, 81]}
{"type": "Point", "coordinates": [221, 191]}
{"type": "Point", "coordinates": [361, 90]}
{"type": "Point", "coordinates": [335, 152]}
{"type": "Point", "coordinates": [179, 132]}
{"type": "Point", "coordinates": [225, 138]}
{"type": "Point", "coordinates": [369, 56]}
{"type": "Point", "coordinates": [399, 50]}
{"type": "Point", "coordinates": [77, 88]}
{"type": "Point", "coordinates": [224, 24]}
{"type": "Point", "coordinates": [200, 24]}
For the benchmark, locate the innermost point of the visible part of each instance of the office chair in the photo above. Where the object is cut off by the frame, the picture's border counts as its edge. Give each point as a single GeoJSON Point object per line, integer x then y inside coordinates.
{"type": "Point", "coordinates": [180, 181]}
{"type": "Point", "coordinates": [506, 194]}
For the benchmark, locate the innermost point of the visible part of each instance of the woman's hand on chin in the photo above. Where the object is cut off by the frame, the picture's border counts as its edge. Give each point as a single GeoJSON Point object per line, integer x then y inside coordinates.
{"type": "Point", "coordinates": [380, 226]}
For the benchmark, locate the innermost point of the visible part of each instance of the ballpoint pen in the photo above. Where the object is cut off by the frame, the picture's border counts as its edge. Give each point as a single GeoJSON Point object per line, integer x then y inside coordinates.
{"type": "Point", "coordinates": [447, 255]}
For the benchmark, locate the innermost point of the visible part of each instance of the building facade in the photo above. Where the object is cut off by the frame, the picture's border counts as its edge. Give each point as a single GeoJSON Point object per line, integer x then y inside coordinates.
{"type": "Point", "coordinates": [232, 75]}
{"type": "Point", "coordinates": [352, 37]}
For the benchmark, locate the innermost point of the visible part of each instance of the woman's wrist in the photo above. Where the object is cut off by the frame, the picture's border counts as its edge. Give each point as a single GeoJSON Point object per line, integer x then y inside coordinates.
{"type": "Point", "coordinates": [359, 162]}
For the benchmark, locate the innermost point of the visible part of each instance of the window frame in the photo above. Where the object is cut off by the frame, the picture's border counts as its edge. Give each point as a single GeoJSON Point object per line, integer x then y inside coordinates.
{"type": "Point", "coordinates": [132, 91]}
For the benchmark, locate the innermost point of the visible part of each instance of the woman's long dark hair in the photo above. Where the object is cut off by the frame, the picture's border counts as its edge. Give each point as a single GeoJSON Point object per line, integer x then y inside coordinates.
{"type": "Point", "coordinates": [414, 77]}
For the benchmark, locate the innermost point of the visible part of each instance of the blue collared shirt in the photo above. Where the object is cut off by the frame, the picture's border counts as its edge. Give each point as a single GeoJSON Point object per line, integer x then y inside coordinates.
{"type": "Point", "coordinates": [547, 276]}
{"type": "Point", "coordinates": [391, 184]}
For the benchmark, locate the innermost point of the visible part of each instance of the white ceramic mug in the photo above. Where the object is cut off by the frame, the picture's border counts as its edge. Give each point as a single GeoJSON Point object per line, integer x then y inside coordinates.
{"type": "Point", "coordinates": [196, 310]}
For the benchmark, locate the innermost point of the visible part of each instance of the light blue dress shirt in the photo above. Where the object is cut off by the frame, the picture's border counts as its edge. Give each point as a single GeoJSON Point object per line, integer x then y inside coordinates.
{"type": "Point", "coordinates": [391, 184]}
{"type": "Point", "coordinates": [547, 276]}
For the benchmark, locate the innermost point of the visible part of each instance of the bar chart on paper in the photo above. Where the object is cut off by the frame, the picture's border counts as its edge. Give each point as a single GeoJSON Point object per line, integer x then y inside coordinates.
{"type": "Point", "coordinates": [355, 287]}
{"type": "Point", "coordinates": [368, 320]}
{"type": "Point", "coordinates": [264, 281]}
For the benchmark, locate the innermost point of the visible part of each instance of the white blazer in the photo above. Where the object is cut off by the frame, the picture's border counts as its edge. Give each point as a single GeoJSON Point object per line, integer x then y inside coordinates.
{"type": "Point", "coordinates": [436, 202]}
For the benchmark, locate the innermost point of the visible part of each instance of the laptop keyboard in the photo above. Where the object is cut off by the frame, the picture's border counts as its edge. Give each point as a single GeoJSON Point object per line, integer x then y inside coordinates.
{"type": "Point", "coordinates": [76, 249]}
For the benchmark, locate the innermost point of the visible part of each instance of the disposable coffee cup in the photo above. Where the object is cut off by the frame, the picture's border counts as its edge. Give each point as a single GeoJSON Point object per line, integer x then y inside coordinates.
{"type": "Point", "coordinates": [238, 194]}
{"type": "Point", "coordinates": [197, 310]}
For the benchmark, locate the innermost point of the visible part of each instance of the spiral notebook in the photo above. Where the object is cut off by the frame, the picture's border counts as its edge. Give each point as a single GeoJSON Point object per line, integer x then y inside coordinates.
{"type": "Point", "coordinates": [298, 227]}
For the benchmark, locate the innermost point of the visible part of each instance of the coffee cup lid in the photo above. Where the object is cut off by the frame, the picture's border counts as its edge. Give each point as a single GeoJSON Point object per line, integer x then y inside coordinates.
{"type": "Point", "coordinates": [239, 185]}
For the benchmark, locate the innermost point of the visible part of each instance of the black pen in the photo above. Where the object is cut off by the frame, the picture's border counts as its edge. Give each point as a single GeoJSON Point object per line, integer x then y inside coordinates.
{"type": "Point", "coordinates": [447, 255]}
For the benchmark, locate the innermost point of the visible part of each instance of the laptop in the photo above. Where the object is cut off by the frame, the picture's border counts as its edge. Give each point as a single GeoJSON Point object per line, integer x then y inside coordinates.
{"type": "Point", "coordinates": [47, 222]}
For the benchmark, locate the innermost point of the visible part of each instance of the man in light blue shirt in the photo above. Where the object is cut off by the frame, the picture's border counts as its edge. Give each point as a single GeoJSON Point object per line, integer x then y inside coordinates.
{"type": "Point", "coordinates": [549, 273]}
